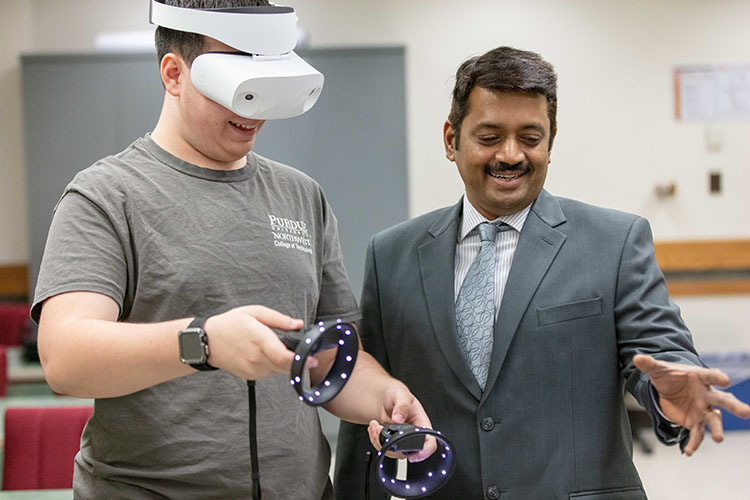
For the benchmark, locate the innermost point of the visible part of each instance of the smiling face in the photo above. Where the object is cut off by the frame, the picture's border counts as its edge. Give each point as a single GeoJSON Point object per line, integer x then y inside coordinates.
{"type": "Point", "coordinates": [197, 129]}
{"type": "Point", "coordinates": [503, 150]}
{"type": "Point", "coordinates": [210, 127]}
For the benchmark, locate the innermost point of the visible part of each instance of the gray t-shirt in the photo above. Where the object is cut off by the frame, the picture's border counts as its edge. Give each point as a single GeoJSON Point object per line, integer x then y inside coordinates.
{"type": "Point", "coordinates": [167, 239]}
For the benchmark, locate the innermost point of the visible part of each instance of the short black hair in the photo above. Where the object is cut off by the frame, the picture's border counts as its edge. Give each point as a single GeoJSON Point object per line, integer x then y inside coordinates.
{"type": "Point", "coordinates": [504, 69]}
{"type": "Point", "coordinates": [191, 45]}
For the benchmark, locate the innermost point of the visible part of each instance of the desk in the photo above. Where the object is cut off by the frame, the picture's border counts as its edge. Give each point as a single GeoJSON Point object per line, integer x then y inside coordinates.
{"type": "Point", "coordinates": [36, 495]}
{"type": "Point", "coordinates": [21, 371]}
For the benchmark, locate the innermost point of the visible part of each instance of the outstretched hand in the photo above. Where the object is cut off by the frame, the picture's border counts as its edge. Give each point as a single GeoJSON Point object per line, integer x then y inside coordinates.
{"type": "Point", "coordinates": [687, 398]}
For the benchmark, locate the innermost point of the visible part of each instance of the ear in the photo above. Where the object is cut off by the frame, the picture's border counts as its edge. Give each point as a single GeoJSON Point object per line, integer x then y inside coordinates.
{"type": "Point", "coordinates": [173, 69]}
{"type": "Point", "coordinates": [552, 135]}
{"type": "Point", "coordinates": [449, 141]}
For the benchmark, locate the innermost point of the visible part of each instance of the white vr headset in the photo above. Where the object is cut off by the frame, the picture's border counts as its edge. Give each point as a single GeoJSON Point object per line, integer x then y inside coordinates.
{"type": "Point", "coordinates": [265, 80]}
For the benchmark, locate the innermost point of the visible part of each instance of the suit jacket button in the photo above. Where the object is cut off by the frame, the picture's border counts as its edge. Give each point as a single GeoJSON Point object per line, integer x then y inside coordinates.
{"type": "Point", "coordinates": [493, 493]}
{"type": "Point", "coordinates": [488, 423]}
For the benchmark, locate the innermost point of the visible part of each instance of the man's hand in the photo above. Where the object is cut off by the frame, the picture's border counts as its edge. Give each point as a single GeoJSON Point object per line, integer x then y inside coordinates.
{"type": "Point", "coordinates": [241, 341]}
{"type": "Point", "coordinates": [401, 407]}
{"type": "Point", "coordinates": [687, 398]}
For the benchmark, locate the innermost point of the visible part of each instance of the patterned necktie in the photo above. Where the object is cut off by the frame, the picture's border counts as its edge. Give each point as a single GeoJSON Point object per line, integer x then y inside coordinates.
{"type": "Point", "coordinates": [475, 306]}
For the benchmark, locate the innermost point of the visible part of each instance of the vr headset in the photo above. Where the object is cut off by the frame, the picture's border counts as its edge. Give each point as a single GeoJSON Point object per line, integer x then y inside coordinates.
{"type": "Point", "coordinates": [264, 79]}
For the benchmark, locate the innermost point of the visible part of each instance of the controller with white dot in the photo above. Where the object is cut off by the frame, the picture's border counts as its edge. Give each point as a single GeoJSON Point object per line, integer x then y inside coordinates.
{"type": "Point", "coordinates": [407, 438]}
{"type": "Point", "coordinates": [325, 335]}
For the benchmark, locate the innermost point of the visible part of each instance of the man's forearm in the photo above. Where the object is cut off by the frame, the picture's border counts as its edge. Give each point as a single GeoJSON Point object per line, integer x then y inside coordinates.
{"type": "Point", "coordinates": [362, 398]}
{"type": "Point", "coordinates": [101, 358]}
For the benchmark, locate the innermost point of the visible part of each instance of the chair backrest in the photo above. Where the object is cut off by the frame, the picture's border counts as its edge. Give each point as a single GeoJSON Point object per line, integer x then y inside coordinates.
{"type": "Point", "coordinates": [13, 317]}
{"type": "Point", "coordinates": [3, 371]}
{"type": "Point", "coordinates": [40, 445]}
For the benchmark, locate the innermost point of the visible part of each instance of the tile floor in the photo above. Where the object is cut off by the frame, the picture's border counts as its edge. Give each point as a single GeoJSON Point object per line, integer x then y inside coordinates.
{"type": "Point", "coordinates": [715, 472]}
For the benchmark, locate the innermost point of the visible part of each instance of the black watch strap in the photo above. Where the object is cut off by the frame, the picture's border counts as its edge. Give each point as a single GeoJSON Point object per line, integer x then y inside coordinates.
{"type": "Point", "coordinates": [198, 323]}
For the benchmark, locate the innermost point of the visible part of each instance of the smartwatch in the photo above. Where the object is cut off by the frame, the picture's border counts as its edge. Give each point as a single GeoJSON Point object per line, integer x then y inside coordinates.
{"type": "Point", "coordinates": [193, 343]}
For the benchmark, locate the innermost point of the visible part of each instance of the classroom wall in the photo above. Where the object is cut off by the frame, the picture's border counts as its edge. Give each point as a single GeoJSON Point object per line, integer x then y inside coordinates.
{"type": "Point", "coordinates": [617, 134]}
{"type": "Point", "coordinates": [14, 35]}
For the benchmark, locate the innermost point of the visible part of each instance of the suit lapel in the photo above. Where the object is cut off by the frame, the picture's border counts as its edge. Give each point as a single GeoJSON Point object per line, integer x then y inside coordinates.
{"type": "Point", "coordinates": [436, 266]}
{"type": "Point", "coordinates": [538, 245]}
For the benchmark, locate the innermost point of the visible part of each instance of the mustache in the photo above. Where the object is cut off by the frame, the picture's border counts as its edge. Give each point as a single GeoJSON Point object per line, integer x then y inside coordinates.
{"type": "Point", "coordinates": [502, 167]}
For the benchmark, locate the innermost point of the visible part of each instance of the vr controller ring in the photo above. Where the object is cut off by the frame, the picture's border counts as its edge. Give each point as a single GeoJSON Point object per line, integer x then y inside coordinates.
{"type": "Point", "coordinates": [324, 335]}
{"type": "Point", "coordinates": [405, 438]}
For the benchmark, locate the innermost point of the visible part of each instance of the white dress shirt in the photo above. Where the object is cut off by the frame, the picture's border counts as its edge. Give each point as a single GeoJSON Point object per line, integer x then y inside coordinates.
{"type": "Point", "coordinates": [468, 245]}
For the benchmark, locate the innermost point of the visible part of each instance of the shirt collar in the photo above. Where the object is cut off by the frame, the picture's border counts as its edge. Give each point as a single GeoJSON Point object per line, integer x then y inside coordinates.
{"type": "Point", "coordinates": [471, 218]}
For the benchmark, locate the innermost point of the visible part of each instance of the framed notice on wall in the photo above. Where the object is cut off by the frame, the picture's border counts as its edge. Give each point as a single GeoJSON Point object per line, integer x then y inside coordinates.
{"type": "Point", "coordinates": [712, 93]}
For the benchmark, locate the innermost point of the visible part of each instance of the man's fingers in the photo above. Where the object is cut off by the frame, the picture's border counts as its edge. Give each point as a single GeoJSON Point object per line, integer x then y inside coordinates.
{"type": "Point", "coordinates": [729, 402]}
{"type": "Point", "coordinates": [400, 406]}
{"type": "Point", "coordinates": [274, 319]}
{"type": "Point", "coordinates": [400, 411]}
{"type": "Point", "coordinates": [696, 438]}
{"type": "Point", "coordinates": [430, 447]}
{"type": "Point", "coordinates": [713, 421]}
{"type": "Point", "coordinates": [373, 431]}
{"type": "Point", "coordinates": [276, 352]}
{"type": "Point", "coordinates": [713, 376]}
{"type": "Point", "coordinates": [417, 416]}
{"type": "Point", "coordinates": [648, 364]}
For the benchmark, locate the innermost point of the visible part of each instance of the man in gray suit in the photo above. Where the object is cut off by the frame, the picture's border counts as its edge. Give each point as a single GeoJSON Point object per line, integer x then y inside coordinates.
{"type": "Point", "coordinates": [580, 307]}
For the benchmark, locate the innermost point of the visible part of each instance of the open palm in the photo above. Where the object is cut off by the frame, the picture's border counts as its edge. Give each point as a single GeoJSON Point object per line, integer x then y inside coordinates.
{"type": "Point", "coordinates": [687, 397]}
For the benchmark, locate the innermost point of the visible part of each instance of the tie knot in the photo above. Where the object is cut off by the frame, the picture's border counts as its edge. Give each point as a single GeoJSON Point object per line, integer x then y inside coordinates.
{"type": "Point", "coordinates": [487, 231]}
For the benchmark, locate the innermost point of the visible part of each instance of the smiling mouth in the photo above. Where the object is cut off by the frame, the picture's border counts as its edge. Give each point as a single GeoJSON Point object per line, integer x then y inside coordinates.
{"type": "Point", "coordinates": [507, 172]}
{"type": "Point", "coordinates": [242, 125]}
{"type": "Point", "coordinates": [507, 177]}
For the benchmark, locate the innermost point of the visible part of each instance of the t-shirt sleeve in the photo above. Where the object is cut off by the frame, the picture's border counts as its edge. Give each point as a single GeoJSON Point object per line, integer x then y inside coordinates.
{"type": "Point", "coordinates": [83, 253]}
{"type": "Point", "coordinates": [336, 297]}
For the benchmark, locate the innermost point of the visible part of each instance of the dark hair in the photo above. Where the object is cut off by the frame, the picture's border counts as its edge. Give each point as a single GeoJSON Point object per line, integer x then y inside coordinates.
{"type": "Point", "coordinates": [190, 45]}
{"type": "Point", "coordinates": [504, 69]}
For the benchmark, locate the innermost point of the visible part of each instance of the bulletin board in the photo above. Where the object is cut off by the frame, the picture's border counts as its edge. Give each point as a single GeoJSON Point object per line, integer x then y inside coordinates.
{"type": "Point", "coordinates": [712, 93]}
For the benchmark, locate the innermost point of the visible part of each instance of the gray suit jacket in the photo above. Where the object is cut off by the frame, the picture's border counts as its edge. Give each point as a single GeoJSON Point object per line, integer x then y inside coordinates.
{"type": "Point", "coordinates": [584, 295]}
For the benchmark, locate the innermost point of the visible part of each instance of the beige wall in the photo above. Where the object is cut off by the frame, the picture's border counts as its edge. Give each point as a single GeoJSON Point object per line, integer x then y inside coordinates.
{"type": "Point", "coordinates": [617, 136]}
{"type": "Point", "coordinates": [15, 23]}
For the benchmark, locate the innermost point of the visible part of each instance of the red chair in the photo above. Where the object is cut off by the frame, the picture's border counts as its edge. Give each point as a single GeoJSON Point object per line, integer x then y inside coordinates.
{"type": "Point", "coordinates": [13, 318]}
{"type": "Point", "coordinates": [40, 445]}
{"type": "Point", "coordinates": [3, 371]}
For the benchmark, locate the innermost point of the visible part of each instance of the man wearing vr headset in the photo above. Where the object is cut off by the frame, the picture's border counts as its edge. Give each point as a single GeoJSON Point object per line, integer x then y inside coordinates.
{"type": "Point", "coordinates": [186, 223]}
{"type": "Point", "coordinates": [580, 308]}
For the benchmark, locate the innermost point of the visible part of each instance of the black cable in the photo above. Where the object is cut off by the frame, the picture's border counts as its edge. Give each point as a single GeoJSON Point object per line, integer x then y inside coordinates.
{"type": "Point", "coordinates": [367, 476]}
{"type": "Point", "coordinates": [324, 335]}
{"type": "Point", "coordinates": [252, 432]}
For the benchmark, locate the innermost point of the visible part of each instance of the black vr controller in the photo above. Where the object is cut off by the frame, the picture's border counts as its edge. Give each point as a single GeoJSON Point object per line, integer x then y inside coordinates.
{"type": "Point", "coordinates": [323, 336]}
{"type": "Point", "coordinates": [406, 438]}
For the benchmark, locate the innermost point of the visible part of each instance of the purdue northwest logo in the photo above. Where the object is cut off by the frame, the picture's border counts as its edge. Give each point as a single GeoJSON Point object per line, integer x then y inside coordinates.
{"type": "Point", "coordinates": [292, 234]}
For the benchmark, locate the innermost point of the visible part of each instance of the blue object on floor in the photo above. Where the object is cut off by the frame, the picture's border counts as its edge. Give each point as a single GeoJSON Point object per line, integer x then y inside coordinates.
{"type": "Point", "coordinates": [737, 366]}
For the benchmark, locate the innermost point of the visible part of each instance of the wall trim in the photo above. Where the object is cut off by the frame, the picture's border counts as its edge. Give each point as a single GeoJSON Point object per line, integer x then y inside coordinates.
{"type": "Point", "coordinates": [706, 267]}
{"type": "Point", "coordinates": [14, 281]}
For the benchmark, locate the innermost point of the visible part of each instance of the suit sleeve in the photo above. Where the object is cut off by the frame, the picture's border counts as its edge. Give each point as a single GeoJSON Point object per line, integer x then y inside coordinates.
{"type": "Point", "coordinates": [353, 443]}
{"type": "Point", "coordinates": [648, 322]}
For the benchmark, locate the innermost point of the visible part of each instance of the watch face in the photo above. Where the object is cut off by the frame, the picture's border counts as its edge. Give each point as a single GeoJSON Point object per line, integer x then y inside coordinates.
{"type": "Point", "coordinates": [192, 348]}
